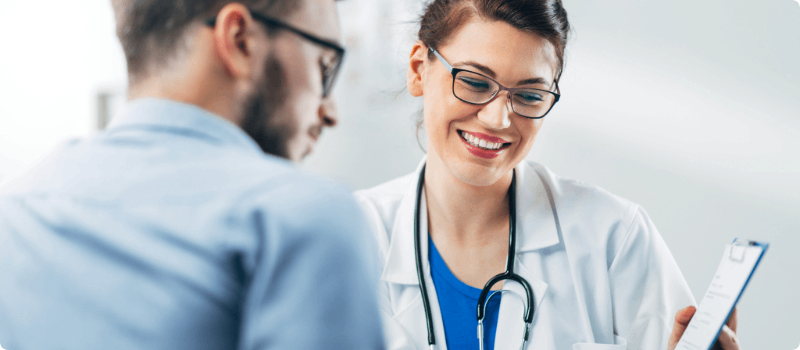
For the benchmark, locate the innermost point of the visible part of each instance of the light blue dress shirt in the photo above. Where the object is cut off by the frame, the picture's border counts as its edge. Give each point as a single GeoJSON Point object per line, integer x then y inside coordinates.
{"type": "Point", "coordinates": [172, 230]}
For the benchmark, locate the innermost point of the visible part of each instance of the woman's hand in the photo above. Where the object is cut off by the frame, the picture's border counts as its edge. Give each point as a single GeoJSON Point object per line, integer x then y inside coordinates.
{"type": "Point", "coordinates": [727, 338]}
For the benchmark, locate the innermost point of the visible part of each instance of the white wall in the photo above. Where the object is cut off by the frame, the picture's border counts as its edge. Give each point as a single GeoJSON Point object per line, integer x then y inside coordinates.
{"type": "Point", "coordinates": [690, 108]}
{"type": "Point", "coordinates": [54, 57]}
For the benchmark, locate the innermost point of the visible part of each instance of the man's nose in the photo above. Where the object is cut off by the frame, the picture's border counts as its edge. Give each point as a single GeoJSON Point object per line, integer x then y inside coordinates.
{"type": "Point", "coordinates": [328, 113]}
{"type": "Point", "coordinates": [495, 114]}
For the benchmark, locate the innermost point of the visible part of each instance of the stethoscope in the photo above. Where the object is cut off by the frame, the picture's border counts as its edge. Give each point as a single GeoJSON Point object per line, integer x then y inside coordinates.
{"type": "Point", "coordinates": [487, 289]}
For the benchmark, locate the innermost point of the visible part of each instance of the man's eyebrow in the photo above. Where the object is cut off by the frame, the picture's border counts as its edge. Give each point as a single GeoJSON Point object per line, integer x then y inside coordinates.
{"type": "Point", "coordinates": [488, 71]}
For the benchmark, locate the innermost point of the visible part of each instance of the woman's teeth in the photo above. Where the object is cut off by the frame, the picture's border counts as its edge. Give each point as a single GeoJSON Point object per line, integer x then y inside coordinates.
{"type": "Point", "coordinates": [480, 143]}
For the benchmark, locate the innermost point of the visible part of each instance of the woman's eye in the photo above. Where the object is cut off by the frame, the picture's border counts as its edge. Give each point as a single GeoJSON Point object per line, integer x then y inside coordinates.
{"type": "Point", "coordinates": [475, 84]}
{"type": "Point", "coordinates": [529, 97]}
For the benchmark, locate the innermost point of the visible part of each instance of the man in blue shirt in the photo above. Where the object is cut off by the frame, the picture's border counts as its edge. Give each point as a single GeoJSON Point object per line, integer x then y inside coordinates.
{"type": "Point", "coordinates": [173, 229]}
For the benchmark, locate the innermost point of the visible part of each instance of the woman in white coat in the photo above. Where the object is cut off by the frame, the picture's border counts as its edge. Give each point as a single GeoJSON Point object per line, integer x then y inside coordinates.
{"type": "Point", "coordinates": [600, 273]}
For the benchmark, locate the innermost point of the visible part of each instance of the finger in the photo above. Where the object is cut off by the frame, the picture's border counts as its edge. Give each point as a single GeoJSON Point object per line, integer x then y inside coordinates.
{"type": "Point", "coordinates": [733, 320]}
{"type": "Point", "coordinates": [682, 319]}
{"type": "Point", "coordinates": [728, 339]}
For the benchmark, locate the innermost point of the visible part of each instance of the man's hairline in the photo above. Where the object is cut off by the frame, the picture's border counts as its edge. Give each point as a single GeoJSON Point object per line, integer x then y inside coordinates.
{"type": "Point", "coordinates": [152, 67]}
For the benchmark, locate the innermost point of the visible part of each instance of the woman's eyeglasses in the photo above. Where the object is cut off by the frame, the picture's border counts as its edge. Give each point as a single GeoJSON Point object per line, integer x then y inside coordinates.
{"type": "Point", "coordinates": [330, 70]}
{"type": "Point", "coordinates": [478, 89]}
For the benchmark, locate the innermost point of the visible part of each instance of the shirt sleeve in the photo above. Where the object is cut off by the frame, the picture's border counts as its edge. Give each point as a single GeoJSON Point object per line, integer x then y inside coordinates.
{"type": "Point", "coordinates": [647, 288]}
{"type": "Point", "coordinates": [310, 285]}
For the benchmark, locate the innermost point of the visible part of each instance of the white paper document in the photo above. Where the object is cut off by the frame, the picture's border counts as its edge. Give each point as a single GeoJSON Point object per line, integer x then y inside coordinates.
{"type": "Point", "coordinates": [738, 263]}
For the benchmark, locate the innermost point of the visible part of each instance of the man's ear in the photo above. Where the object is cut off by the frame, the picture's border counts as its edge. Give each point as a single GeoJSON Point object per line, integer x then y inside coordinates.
{"type": "Point", "coordinates": [234, 40]}
{"type": "Point", "coordinates": [416, 69]}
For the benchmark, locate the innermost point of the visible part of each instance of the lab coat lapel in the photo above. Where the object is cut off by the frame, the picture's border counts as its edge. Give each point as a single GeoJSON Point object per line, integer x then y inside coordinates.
{"type": "Point", "coordinates": [537, 219]}
{"type": "Point", "coordinates": [401, 267]}
{"type": "Point", "coordinates": [536, 229]}
{"type": "Point", "coordinates": [401, 264]}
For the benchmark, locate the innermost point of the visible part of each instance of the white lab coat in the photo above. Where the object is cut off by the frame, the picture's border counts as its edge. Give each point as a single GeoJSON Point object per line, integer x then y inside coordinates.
{"type": "Point", "coordinates": [602, 276]}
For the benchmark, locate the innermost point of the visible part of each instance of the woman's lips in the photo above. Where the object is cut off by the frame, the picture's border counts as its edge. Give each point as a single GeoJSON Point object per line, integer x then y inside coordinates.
{"type": "Point", "coordinates": [481, 147]}
{"type": "Point", "coordinates": [486, 137]}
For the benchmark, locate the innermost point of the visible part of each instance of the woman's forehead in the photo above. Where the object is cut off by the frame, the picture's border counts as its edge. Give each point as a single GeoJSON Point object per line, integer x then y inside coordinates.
{"type": "Point", "coordinates": [512, 54]}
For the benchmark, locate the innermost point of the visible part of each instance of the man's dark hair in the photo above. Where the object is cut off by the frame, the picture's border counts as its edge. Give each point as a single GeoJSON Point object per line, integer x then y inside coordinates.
{"type": "Point", "coordinates": [151, 31]}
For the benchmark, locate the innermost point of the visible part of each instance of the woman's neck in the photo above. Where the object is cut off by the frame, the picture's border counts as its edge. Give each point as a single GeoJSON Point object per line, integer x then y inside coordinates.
{"type": "Point", "coordinates": [466, 214]}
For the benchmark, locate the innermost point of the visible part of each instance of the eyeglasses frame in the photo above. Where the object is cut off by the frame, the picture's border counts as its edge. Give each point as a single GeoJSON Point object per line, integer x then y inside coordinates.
{"type": "Point", "coordinates": [273, 22]}
{"type": "Point", "coordinates": [511, 91]}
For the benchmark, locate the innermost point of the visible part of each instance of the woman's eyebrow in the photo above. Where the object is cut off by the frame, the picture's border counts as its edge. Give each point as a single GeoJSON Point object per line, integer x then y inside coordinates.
{"type": "Point", "coordinates": [532, 81]}
{"type": "Point", "coordinates": [488, 71]}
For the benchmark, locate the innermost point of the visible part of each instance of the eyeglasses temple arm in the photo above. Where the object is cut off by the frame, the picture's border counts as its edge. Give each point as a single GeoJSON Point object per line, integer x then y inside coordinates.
{"type": "Point", "coordinates": [446, 65]}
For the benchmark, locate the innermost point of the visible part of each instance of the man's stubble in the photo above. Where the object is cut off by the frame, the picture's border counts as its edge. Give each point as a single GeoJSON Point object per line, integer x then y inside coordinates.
{"type": "Point", "coordinates": [266, 119]}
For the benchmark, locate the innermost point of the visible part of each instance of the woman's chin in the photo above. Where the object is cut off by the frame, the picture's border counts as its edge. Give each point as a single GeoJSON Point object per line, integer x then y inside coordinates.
{"type": "Point", "coordinates": [475, 175]}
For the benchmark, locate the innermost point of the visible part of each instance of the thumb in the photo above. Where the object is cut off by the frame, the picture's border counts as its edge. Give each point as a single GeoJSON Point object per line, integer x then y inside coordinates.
{"type": "Point", "coordinates": [682, 319]}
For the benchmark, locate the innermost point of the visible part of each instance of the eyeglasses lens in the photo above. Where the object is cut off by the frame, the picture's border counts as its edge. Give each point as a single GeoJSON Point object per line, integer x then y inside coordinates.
{"type": "Point", "coordinates": [474, 88]}
{"type": "Point", "coordinates": [477, 89]}
{"type": "Point", "coordinates": [330, 74]}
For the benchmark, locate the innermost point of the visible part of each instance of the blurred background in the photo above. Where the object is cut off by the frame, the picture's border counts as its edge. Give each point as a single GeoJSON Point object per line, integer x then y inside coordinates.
{"type": "Point", "coordinates": [689, 108]}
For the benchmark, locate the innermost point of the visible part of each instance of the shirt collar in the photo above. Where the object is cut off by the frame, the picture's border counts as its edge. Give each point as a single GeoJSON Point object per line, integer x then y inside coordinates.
{"type": "Point", "coordinates": [536, 224]}
{"type": "Point", "coordinates": [148, 113]}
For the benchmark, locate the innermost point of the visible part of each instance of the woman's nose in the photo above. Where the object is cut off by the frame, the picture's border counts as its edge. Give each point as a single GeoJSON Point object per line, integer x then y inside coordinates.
{"type": "Point", "coordinates": [495, 114]}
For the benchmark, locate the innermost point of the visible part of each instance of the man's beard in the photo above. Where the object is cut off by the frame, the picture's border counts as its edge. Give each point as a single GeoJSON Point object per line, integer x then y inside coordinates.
{"type": "Point", "coordinates": [263, 119]}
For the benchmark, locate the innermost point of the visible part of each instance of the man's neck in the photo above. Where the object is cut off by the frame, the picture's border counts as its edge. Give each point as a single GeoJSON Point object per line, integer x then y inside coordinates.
{"type": "Point", "coordinates": [185, 93]}
{"type": "Point", "coordinates": [196, 81]}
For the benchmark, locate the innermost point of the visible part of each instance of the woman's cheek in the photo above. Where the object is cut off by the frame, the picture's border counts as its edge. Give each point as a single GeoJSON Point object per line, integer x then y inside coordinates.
{"type": "Point", "coordinates": [529, 133]}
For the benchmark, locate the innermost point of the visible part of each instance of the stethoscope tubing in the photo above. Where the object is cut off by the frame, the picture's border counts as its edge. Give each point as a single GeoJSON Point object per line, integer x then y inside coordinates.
{"type": "Point", "coordinates": [418, 253]}
{"type": "Point", "coordinates": [510, 259]}
{"type": "Point", "coordinates": [507, 275]}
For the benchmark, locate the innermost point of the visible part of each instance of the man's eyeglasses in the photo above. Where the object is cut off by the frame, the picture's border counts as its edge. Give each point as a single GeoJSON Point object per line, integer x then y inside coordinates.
{"type": "Point", "coordinates": [330, 70]}
{"type": "Point", "coordinates": [478, 89]}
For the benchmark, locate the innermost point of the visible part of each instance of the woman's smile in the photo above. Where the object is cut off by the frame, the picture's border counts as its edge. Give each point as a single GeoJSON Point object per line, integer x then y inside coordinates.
{"type": "Point", "coordinates": [482, 145]}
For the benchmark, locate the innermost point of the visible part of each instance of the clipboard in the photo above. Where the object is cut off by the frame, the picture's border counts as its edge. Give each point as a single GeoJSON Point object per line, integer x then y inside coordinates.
{"type": "Point", "coordinates": [739, 261]}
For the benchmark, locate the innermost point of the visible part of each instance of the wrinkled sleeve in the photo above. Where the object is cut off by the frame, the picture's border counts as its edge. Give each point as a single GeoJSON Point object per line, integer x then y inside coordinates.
{"type": "Point", "coordinates": [647, 287]}
{"type": "Point", "coordinates": [310, 286]}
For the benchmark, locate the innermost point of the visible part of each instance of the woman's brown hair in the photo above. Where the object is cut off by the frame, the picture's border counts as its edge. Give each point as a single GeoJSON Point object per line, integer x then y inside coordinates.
{"type": "Point", "coordinates": [546, 18]}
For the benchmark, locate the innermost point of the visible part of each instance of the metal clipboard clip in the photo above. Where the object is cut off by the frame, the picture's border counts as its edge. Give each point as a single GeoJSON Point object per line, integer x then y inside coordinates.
{"type": "Point", "coordinates": [739, 244]}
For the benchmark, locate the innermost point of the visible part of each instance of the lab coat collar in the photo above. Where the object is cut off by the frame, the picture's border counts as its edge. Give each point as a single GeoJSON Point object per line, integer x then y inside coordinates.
{"type": "Point", "coordinates": [536, 214]}
{"type": "Point", "coordinates": [536, 225]}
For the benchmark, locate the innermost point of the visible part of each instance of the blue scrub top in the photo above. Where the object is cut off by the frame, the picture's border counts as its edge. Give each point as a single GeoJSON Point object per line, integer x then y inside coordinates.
{"type": "Point", "coordinates": [458, 303]}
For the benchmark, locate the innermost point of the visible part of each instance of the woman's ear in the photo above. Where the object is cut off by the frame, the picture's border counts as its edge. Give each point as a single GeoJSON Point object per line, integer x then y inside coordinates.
{"type": "Point", "coordinates": [416, 69]}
